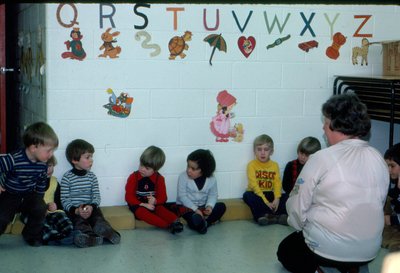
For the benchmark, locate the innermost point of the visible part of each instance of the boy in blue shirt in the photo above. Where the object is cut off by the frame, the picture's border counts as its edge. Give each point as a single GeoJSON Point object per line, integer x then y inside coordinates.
{"type": "Point", "coordinates": [24, 181]}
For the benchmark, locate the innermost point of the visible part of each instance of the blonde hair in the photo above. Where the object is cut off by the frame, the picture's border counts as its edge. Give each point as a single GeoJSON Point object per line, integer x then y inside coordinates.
{"type": "Point", "coordinates": [263, 139]}
{"type": "Point", "coordinates": [153, 157]}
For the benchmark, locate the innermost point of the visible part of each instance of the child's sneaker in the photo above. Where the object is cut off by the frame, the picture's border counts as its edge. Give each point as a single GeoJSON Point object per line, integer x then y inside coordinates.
{"type": "Point", "coordinates": [199, 223]}
{"type": "Point", "coordinates": [176, 227]}
{"type": "Point", "coordinates": [268, 219]}
{"type": "Point", "coordinates": [107, 232]}
{"type": "Point", "coordinates": [263, 221]}
{"type": "Point", "coordinates": [114, 237]}
{"type": "Point", "coordinates": [282, 219]}
{"type": "Point", "coordinates": [203, 229]}
{"type": "Point", "coordinates": [272, 219]}
{"type": "Point", "coordinates": [85, 240]}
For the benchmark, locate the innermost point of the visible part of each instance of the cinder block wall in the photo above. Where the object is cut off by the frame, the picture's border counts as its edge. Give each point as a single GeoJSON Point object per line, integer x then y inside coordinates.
{"type": "Point", "coordinates": [279, 91]}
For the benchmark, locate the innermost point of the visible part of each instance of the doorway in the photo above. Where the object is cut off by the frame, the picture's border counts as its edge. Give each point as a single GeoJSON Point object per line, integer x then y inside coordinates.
{"type": "Point", "coordinates": [9, 97]}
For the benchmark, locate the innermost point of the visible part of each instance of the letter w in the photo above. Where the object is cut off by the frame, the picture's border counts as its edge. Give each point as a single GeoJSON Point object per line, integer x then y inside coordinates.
{"type": "Point", "coordinates": [275, 21]}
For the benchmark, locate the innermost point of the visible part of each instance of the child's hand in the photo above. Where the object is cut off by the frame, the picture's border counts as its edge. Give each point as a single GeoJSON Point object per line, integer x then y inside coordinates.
{"type": "Point", "coordinates": [52, 206]}
{"type": "Point", "coordinates": [148, 206]}
{"type": "Point", "coordinates": [2, 189]}
{"type": "Point", "coordinates": [199, 212]}
{"type": "Point", "coordinates": [85, 211]}
{"type": "Point", "coordinates": [271, 207]}
{"type": "Point", "coordinates": [151, 200]}
{"type": "Point", "coordinates": [207, 211]}
{"type": "Point", "coordinates": [275, 204]}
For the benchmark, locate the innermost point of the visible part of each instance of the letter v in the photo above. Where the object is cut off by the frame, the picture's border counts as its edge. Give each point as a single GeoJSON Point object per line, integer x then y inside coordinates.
{"type": "Point", "coordinates": [237, 21]}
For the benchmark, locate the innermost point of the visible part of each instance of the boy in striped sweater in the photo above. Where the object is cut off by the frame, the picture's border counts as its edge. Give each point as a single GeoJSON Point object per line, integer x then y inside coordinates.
{"type": "Point", "coordinates": [24, 180]}
{"type": "Point", "coordinates": [80, 197]}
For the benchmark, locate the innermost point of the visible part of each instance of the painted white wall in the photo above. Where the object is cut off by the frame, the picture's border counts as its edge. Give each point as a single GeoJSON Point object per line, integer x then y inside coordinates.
{"type": "Point", "coordinates": [279, 91]}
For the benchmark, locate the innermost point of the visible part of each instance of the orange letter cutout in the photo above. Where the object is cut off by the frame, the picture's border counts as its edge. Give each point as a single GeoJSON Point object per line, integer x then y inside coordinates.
{"type": "Point", "coordinates": [175, 10]}
{"type": "Point", "coordinates": [366, 18]}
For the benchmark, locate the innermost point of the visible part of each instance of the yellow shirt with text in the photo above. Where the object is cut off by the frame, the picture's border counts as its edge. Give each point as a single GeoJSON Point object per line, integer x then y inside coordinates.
{"type": "Point", "coordinates": [264, 177]}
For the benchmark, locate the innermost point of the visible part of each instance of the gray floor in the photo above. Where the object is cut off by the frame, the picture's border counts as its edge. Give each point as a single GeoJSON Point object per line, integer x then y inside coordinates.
{"type": "Point", "coordinates": [235, 246]}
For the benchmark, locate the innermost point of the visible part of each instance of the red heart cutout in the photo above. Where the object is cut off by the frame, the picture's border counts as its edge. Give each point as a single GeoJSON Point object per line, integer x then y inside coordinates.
{"type": "Point", "coordinates": [246, 45]}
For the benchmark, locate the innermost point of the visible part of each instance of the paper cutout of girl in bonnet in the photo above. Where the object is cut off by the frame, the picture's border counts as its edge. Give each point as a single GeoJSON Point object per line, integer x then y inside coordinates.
{"type": "Point", "coordinates": [221, 123]}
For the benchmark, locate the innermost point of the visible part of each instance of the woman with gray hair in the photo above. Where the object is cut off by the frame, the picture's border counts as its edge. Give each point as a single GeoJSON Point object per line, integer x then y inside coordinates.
{"type": "Point", "coordinates": [336, 205]}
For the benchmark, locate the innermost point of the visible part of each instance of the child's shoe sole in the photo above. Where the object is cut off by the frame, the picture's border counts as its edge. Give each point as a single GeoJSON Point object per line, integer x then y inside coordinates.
{"type": "Point", "coordinates": [84, 240]}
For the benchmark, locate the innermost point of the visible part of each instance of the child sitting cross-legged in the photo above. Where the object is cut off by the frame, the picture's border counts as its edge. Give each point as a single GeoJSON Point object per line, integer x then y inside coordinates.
{"type": "Point", "coordinates": [80, 197]}
{"type": "Point", "coordinates": [146, 194]}
{"type": "Point", "coordinates": [198, 193]}
{"type": "Point", "coordinates": [264, 190]}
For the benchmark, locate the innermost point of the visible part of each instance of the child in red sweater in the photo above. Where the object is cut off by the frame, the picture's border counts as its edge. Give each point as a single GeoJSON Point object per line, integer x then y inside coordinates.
{"type": "Point", "coordinates": [146, 194]}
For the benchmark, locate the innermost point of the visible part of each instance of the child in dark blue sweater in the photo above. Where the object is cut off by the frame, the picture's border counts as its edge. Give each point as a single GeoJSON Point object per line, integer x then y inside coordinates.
{"type": "Point", "coordinates": [24, 181]}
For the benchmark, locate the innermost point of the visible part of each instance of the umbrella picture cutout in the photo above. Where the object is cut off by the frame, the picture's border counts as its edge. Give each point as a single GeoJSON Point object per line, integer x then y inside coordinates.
{"type": "Point", "coordinates": [215, 41]}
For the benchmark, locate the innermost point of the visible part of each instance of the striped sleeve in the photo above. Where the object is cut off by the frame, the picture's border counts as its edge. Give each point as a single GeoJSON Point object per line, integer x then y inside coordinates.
{"type": "Point", "coordinates": [96, 198]}
{"type": "Point", "coordinates": [65, 192]}
{"type": "Point", "coordinates": [6, 163]}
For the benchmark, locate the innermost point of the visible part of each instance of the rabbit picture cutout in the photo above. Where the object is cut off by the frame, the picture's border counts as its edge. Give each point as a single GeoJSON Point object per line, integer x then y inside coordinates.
{"type": "Point", "coordinates": [107, 46]}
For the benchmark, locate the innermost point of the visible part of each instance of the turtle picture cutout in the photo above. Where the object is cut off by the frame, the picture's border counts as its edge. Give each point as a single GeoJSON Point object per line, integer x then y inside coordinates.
{"type": "Point", "coordinates": [178, 44]}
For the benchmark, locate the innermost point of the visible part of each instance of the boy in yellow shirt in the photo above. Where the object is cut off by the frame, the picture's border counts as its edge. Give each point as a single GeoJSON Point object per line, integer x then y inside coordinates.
{"type": "Point", "coordinates": [264, 190]}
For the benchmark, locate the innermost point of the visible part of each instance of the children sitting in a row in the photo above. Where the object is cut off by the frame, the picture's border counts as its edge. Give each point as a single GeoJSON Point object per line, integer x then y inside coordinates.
{"type": "Point", "coordinates": [145, 194]}
{"type": "Point", "coordinates": [196, 202]}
